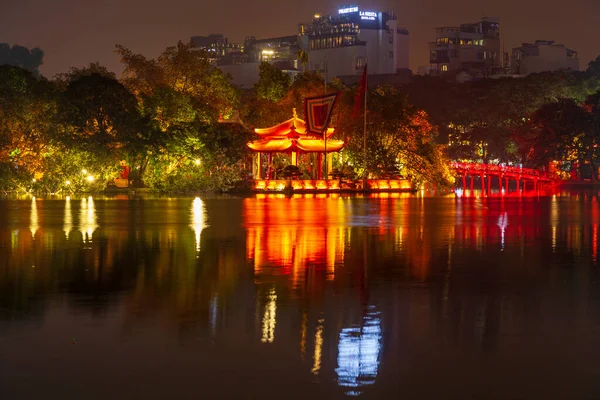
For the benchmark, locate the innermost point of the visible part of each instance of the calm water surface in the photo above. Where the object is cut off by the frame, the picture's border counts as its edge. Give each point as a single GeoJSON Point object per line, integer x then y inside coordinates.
{"type": "Point", "coordinates": [277, 298]}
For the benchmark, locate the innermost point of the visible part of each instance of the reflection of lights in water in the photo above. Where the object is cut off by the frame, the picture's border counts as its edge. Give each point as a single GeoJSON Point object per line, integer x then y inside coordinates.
{"type": "Point", "coordinates": [502, 224]}
{"type": "Point", "coordinates": [358, 353]}
{"type": "Point", "coordinates": [214, 309]}
{"type": "Point", "coordinates": [33, 218]}
{"type": "Point", "coordinates": [87, 219]}
{"type": "Point", "coordinates": [554, 220]}
{"type": "Point", "coordinates": [303, 335]}
{"type": "Point", "coordinates": [198, 214]}
{"type": "Point", "coordinates": [459, 192]}
{"type": "Point", "coordinates": [318, 348]}
{"type": "Point", "coordinates": [269, 318]}
{"type": "Point", "coordinates": [68, 220]}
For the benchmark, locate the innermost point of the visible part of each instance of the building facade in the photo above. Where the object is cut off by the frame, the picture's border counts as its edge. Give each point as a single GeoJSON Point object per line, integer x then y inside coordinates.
{"type": "Point", "coordinates": [473, 47]}
{"type": "Point", "coordinates": [220, 50]}
{"type": "Point", "coordinates": [341, 45]}
{"type": "Point", "coordinates": [543, 55]}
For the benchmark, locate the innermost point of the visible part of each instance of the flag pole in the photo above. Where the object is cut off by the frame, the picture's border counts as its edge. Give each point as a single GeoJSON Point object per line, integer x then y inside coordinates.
{"type": "Point", "coordinates": [365, 132]}
{"type": "Point", "coordinates": [325, 80]}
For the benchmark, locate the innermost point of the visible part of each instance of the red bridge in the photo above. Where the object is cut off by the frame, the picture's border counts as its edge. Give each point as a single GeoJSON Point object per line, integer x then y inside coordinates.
{"type": "Point", "coordinates": [504, 174]}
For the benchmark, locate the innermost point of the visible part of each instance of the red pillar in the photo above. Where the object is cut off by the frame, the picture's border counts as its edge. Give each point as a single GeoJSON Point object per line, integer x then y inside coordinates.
{"type": "Point", "coordinates": [472, 181]}
{"type": "Point", "coordinates": [259, 174]}
{"type": "Point", "coordinates": [482, 184]}
{"type": "Point", "coordinates": [507, 181]}
{"type": "Point", "coordinates": [500, 182]}
{"type": "Point", "coordinates": [489, 186]}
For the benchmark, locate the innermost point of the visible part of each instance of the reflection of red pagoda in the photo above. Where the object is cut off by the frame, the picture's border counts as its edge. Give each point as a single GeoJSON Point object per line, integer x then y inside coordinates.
{"type": "Point", "coordinates": [291, 137]}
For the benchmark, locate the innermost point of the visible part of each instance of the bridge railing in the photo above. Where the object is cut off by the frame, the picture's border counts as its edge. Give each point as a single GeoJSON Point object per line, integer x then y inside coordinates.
{"type": "Point", "coordinates": [497, 169]}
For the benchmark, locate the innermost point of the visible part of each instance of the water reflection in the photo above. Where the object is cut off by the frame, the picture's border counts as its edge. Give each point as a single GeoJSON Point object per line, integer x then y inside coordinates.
{"type": "Point", "coordinates": [363, 294]}
{"type": "Point", "coordinates": [269, 318]}
{"type": "Point", "coordinates": [318, 348]}
{"type": "Point", "coordinates": [68, 218]}
{"type": "Point", "coordinates": [198, 215]}
{"type": "Point", "coordinates": [358, 353]}
{"type": "Point", "coordinates": [34, 223]}
{"type": "Point", "coordinates": [285, 238]}
{"type": "Point", "coordinates": [87, 219]}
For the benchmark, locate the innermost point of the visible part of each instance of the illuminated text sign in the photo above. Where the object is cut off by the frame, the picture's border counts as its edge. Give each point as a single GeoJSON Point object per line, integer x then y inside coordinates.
{"type": "Point", "coordinates": [368, 15]}
{"type": "Point", "coordinates": [347, 10]}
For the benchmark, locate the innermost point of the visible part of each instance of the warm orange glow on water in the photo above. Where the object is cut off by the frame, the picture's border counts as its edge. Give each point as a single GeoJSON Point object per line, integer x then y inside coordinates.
{"type": "Point", "coordinates": [295, 234]}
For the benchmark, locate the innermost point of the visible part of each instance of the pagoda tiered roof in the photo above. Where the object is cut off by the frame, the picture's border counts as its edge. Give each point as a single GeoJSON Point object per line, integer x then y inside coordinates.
{"type": "Point", "coordinates": [292, 128]}
{"type": "Point", "coordinates": [291, 135]}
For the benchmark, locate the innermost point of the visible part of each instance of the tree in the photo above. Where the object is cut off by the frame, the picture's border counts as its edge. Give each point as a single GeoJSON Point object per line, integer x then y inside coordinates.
{"type": "Point", "coordinates": [19, 56]}
{"type": "Point", "coordinates": [594, 67]}
{"type": "Point", "coordinates": [400, 140]}
{"type": "Point", "coordinates": [302, 56]}
{"type": "Point", "coordinates": [183, 97]}
{"type": "Point", "coordinates": [555, 132]}
{"type": "Point", "coordinates": [28, 123]}
{"type": "Point", "coordinates": [104, 119]}
{"type": "Point", "coordinates": [272, 83]}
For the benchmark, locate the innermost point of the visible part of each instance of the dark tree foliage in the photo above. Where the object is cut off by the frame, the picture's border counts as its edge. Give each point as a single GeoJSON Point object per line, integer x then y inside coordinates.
{"type": "Point", "coordinates": [19, 56]}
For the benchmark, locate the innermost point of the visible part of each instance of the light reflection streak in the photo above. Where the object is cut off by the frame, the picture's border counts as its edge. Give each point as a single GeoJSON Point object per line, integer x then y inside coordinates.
{"type": "Point", "coordinates": [87, 219]}
{"type": "Point", "coordinates": [554, 221]}
{"type": "Point", "coordinates": [502, 224]}
{"type": "Point", "coordinates": [318, 348]}
{"type": "Point", "coordinates": [198, 214]}
{"type": "Point", "coordinates": [33, 218]}
{"type": "Point", "coordinates": [358, 353]}
{"type": "Point", "coordinates": [269, 318]}
{"type": "Point", "coordinates": [68, 219]}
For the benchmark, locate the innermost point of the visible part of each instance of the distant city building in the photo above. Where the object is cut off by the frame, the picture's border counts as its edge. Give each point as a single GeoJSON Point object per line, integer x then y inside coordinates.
{"type": "Point", "coordinates": [473, 47]}
{"type": "Point", "coordinates": [219, 48]}
{"type": "Point", "coordinates": [284, 48]}
{"type": "Point", "coordinates": [336, 46]}
{"type": "Point", "coordinates": [340, 45]}
{"type": "Point", "coordinates": [543, 55]}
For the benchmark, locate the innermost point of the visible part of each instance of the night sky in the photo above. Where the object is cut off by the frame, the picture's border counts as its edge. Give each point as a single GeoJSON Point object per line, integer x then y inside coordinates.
{"type": "Point", "coordinates": [76, 32]}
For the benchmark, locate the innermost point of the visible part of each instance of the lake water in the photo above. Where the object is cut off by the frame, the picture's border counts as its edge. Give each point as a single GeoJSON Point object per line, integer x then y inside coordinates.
{"type": "Point", "coordinates": [391, 296]}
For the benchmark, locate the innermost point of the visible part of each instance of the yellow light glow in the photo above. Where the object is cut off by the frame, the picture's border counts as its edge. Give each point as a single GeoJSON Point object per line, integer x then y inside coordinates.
{"type": "Point", "coordinates": [33, 218]}
{"type": "Point", "coordinates": [318, 348]}
{"type": "Point", "coordinates": [87, 219]}
{"type": "Point", "coordinates": [269, 318]}
{"type": "Point", "coordinates": [198, 214]}
{"type": "Point", "coordinates": [84, 171]}
{"type": "Point", "coordinates": [68, 219]}
{"type": "Point", "coordinates": [197, 161]}
{"type": "Point", "coordinates": [268, 52]}
{"type": "Point", "coordinates": [90, 178]}
{"type": "Point", "coordinates": [67, 183]}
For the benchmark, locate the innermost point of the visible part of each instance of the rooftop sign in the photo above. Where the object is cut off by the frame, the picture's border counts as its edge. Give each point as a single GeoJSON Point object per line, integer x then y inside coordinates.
{"type": "Point", "coordinates": [348, 10]}
{"type": "Point", "coordinates": [368, 15]}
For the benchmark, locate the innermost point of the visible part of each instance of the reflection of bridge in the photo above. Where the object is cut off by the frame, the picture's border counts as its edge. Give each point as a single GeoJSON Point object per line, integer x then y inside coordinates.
{"type": "Point", "coordinates": [504, 174]}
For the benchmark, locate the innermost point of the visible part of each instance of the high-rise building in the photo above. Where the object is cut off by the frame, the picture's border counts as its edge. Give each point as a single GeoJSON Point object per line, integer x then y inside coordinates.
{"type": "Point", "coordinates": [473, 47]}
{"type": "Point", "coordinates": [543, 55]}
{"type": "Point", "coordinates": [341, 45]}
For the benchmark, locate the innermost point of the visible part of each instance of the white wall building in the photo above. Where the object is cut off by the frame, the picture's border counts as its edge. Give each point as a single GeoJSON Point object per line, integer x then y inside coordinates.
{"type": "Point", "coordinates": [340, 45]}
{"type": "Point", "coordinates": [543, 55]}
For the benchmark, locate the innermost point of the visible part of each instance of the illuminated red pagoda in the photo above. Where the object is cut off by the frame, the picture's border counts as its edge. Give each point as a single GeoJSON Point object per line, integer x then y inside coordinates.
{"type": "Point", "coordinates": [291, 137]}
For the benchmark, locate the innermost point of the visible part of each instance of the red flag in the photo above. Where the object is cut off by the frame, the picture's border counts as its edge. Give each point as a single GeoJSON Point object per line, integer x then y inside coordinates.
{"type": "Point", "coordinates": [317, 111]}
{"type": "Point", "coordinates": [360, 93]}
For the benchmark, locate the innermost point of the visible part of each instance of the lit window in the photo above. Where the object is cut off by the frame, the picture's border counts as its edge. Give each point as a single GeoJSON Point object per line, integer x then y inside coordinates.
{"type": "Point", "coordinates": [444, 68]}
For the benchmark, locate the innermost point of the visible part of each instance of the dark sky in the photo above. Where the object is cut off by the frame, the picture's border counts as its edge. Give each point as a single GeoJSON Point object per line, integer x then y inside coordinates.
{"type": "Point", "coordinates": [76, 32]}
